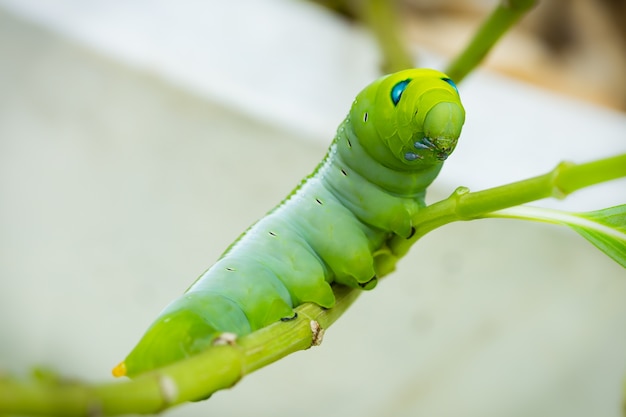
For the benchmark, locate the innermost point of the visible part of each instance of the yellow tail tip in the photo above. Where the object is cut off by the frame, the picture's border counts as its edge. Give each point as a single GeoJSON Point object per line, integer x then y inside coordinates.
{"type": "Point", "coordinates": [119, 370]}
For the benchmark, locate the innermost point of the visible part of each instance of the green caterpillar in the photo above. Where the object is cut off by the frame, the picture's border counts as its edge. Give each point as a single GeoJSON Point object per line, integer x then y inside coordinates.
{"type": "Point", "coordinates": [371, 183]}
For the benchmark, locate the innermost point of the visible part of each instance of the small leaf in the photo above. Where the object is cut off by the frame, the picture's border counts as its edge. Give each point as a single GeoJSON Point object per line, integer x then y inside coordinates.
{"type": "Point", "coordinates": [605, 229]}
{"type": "Point", "coordinates": [611, 241]}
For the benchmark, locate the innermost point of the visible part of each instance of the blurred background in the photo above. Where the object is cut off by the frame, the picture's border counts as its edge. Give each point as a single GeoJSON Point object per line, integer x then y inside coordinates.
{"type": "Point", "coordinates": [139, 138]}
{"type": "Point", "coordinates": [574, 47]}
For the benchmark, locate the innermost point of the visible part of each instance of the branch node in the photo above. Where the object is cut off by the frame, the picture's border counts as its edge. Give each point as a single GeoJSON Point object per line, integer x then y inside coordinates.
{"type": "Point", "coordinates": [168, 389]}
{"type": "Point", "coordinates": [317, 333]}
{"type": "Point", "coordinates": [225, 339]}
{"type": "Point", "coordinates": [558, 192]}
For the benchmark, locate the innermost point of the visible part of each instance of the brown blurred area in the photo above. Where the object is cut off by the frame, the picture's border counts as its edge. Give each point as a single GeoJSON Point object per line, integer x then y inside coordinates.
{"type": "Point", "coordinates": [575, 47]}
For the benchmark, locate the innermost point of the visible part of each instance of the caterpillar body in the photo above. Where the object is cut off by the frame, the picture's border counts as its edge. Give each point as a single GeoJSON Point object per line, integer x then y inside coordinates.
{"type": "Point", "coordinates": [369, 186]}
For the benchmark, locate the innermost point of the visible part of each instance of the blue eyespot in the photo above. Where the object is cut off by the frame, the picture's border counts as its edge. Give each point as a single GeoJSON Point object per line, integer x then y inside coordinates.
{"type": "Point", "coordinates": [397, 90]}
{"type": "Point", "coordinates": [449, 81]}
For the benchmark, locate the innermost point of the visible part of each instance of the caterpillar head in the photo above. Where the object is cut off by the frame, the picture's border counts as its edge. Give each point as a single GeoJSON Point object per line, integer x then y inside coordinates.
{"type": "Point", "coordinates": [409, 120]}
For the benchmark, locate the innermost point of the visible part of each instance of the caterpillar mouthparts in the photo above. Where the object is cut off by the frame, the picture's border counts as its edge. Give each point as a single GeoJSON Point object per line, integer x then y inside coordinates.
{"type": "Point", "coordinates": [442, 147]}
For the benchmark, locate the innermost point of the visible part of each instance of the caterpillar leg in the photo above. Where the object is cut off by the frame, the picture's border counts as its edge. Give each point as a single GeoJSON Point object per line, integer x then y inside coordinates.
{"type": "Point", "coordinates": [282, 249]}
{"type": "Point", "coordinates": [251, 285]}
{"type": "Point", "coordinates": [336, 236]}
{"type": "Point", "coordinates": [383, 210]}
{"type": "Point", "coordinates": [234, 296]}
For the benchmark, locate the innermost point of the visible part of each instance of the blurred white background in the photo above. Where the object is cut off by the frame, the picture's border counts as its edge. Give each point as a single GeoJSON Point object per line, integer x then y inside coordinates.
{"type": "Point", "coordinates": [138, 139]}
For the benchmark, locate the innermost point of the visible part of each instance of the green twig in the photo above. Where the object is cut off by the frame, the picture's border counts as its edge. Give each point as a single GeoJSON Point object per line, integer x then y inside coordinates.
{"type": "Point", "coordinates": [504, 16]}
{"type": "Point", "coordinates": [189, 380]}
{"type": "Point", "coordinates": [381, 17]}
{"type": "Point", "coordinates": [463, 205]}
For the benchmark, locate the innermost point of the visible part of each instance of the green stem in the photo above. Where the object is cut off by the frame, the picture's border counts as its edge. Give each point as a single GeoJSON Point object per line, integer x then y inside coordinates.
{"type": "Point", "coordinates": [382, 19]}
{"type": "Point", "coordinates": [463, 205]}
{"type": "Point", "coordinates": [505, 15]}
{"type": "Point", "coordinates": [192, 379]}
